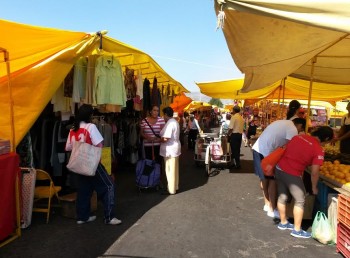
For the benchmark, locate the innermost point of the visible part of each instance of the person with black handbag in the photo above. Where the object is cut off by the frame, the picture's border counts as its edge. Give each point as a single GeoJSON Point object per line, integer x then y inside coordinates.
{"type": "Point", "coordinates": [150, 129]}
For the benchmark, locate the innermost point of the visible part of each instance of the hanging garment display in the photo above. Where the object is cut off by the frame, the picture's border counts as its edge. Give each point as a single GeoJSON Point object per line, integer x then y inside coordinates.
{"type": "Point", "coordinates": [109, 82]}
{"type": "Point", "coordinates": [146, 95]}
{"type": "Point", "coordinates": [130, 84]}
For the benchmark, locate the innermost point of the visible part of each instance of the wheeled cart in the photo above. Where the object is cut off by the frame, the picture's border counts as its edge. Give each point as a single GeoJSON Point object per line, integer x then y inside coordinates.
{"type": "Point", "coordinates": [201, 145]}
{"type": "Point", "coordinates": [217, 155]}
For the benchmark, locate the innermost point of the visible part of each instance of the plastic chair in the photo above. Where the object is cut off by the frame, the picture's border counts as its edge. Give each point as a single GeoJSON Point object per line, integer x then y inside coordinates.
{"type": "Point", "coordinates": [45, 192]}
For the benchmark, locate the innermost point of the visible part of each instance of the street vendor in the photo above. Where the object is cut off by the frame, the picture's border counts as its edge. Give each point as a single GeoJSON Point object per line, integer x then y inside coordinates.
{"type": "Point", "coordinates": [344, 132]}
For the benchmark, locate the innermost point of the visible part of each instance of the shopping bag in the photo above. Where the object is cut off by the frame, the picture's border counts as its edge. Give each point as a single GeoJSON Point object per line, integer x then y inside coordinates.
{"type": "Point", "coordinates": [269, 163]}
{"type": "Point", "coordinates": [321, 229]}
{"type": "Point", "coordinates": [84, 158]}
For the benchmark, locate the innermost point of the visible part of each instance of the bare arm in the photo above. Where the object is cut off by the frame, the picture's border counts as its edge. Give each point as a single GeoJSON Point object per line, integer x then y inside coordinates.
{"type": "Point", "coordinates": [314, 177]}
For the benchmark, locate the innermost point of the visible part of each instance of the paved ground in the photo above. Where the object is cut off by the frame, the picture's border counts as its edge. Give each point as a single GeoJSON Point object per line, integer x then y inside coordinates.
{"type": "Point", "coordinates": [219, 216]}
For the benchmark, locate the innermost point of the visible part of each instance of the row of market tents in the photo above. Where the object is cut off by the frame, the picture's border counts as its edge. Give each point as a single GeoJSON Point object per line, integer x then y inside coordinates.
{"type": "Point", "coordinates": [290, 50]}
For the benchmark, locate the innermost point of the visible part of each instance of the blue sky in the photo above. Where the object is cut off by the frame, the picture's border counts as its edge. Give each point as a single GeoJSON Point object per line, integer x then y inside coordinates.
{"type": "Point", "coordinates": [179, 34]}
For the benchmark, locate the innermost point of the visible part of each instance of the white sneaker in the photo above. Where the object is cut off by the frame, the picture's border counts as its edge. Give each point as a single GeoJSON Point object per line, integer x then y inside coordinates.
{"type": "Point", "coordinates": [266, 207]}
{"type": "Point", "coordinates": [114, 221]}
{"type": "Point", "coordinates": [90, 219]}
{"type": "Point", "coordinates": [273, 214]}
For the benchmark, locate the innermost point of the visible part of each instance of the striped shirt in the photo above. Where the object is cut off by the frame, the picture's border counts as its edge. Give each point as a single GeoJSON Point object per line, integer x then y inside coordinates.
{"type": "Point", "coordinates": [148, 131]}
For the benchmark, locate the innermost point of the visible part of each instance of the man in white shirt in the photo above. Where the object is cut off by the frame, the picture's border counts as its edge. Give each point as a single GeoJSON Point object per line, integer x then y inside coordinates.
{"type": "Point", "coordinates": [235, 132]}
{"type": "Point", "coordinates": [170, 149]}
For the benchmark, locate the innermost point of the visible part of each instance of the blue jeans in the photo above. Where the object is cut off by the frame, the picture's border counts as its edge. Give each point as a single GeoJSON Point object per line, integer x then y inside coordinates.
{"type": "Point", "coordinates": [103, 185]}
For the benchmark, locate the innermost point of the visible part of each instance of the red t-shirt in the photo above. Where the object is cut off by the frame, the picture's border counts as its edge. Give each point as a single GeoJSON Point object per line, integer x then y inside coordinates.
{"type": "Point", "coordinates": [301, 151]}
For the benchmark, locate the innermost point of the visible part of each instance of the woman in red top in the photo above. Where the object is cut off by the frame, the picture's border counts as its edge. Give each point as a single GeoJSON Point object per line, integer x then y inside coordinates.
{"type": "Point", "coordinates": [302, 151]}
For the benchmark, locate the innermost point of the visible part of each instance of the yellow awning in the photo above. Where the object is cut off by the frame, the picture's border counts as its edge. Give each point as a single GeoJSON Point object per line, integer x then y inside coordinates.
{"type": "Point", "coordinates": [270, 40]}
{"type": "Point", "coordinates": [197, 105]}
{"type": "Point", "coordinates": [294, 89]}
{"type": "Point", "coordinates": [39, 60]}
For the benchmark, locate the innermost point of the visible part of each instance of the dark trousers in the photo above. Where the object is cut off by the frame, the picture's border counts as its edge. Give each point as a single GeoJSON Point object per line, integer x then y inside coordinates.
{"type": "Point", "coordinates": [192, 137]}
{"type": "Point", "coordinates": [235, 142]}
{"type": "Point", "coordinates": [103, 185]}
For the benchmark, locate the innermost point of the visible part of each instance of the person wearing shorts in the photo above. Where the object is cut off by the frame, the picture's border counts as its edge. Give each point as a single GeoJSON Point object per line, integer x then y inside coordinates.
{"type": "Point", "coordinates": [277, 134]}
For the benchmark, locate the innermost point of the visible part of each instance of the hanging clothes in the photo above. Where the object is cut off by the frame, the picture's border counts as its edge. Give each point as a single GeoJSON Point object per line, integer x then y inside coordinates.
{"type": "Point", "coordinates": [79, 79]}
{"type": "Point", "coordinates": [90, 81]}
{"type": "Point", "coordinates": [109, 81]}
{"type": "Point", "coordinates": [139, 84]}
{"type": "Point", "coordinates": [154, 95]}
{"type": "Point", "coordinates": [146, 95]}
{"type": "Point", "coordinates": [68, 84]}
{"type": "Point", "coordinates": [60, 102]}
{"type": "Point", "coordinates": [130, 84]}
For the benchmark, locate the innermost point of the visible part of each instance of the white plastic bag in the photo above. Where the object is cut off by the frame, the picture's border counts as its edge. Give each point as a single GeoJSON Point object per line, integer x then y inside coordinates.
{"type": "Point", "coordinates": [321, 229]}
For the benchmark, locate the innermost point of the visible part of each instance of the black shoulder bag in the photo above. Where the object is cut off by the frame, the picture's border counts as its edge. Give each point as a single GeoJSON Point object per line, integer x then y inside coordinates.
{"type": "Point", "coordinates": [155, 134]}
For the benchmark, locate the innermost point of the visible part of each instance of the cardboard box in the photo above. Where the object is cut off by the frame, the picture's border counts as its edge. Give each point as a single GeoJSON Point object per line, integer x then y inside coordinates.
{"type": "Point", "coordinates": [68, 203]}
{"type": "Point", "coordinates": [308, 207]}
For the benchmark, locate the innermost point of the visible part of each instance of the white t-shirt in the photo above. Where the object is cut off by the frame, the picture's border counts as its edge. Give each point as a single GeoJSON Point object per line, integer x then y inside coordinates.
{"type": "Point", "coordinates": [87, 133]}
{"type": "Point", "coordinates": [275, 135]}
{"type": "Point", "coordinates": [172, 147]}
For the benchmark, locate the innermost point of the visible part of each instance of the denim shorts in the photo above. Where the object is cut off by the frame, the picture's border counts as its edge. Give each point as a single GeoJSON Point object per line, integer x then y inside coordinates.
{"type": "Point", "coordinates": [257, 158]}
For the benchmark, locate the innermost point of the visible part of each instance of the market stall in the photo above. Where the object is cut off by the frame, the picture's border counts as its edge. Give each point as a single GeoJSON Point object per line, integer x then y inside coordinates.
{"type": "Point", "coordinates": [38, 69]}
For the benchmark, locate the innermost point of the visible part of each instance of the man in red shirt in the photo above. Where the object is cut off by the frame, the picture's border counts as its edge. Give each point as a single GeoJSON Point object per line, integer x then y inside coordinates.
{"type": "Point", "coordinates": [302, 151]}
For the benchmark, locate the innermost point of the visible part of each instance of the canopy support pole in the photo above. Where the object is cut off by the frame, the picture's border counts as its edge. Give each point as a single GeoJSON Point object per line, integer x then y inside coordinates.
{"type": "Point", "coordinates": [283, 94]}
{"type": "Point", "coordinates": [313, 61]}
{"type": "Point", "coordinates": [12, 123]}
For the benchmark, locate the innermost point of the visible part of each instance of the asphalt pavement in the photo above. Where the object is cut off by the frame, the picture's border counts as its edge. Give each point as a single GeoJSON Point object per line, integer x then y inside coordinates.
{"type": "Point", "coordinates": [216, 216]}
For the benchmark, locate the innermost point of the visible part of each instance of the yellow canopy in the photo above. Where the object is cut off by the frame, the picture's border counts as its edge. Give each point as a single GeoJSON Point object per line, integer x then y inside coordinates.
{"type": "Point", "coordinates": [270, 40]}
{"type": "Point", "coordinates": [294, 89]}
{"type": "Point", "coordinates": [40, 58]}
{"type": "Point", "coordinates": [197, 105]}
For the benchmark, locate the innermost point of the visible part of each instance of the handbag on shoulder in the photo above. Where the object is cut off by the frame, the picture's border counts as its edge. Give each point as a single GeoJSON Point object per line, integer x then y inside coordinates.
{"type": "Point", "coordinates": [269, 163]}
{"type": "Point", "coordinates": [84, 158]}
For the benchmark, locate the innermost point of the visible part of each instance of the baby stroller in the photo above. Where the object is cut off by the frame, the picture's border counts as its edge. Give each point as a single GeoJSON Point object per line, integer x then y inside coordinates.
{"type": "Point", "coordinates": [217, 155]}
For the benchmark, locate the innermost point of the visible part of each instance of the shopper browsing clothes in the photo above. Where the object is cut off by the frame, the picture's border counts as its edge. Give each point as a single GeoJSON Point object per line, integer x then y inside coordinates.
{"type": "Point", "coordinates": [170, 149]}
{"type": "Point", "coordinates": [102, 183]}
{"type": "Point", "coordinates": [235, 132]}
{"type": "Point", "coordinates": [275, 135]}
{"type": "Point", "coordinates": [289, 172]}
